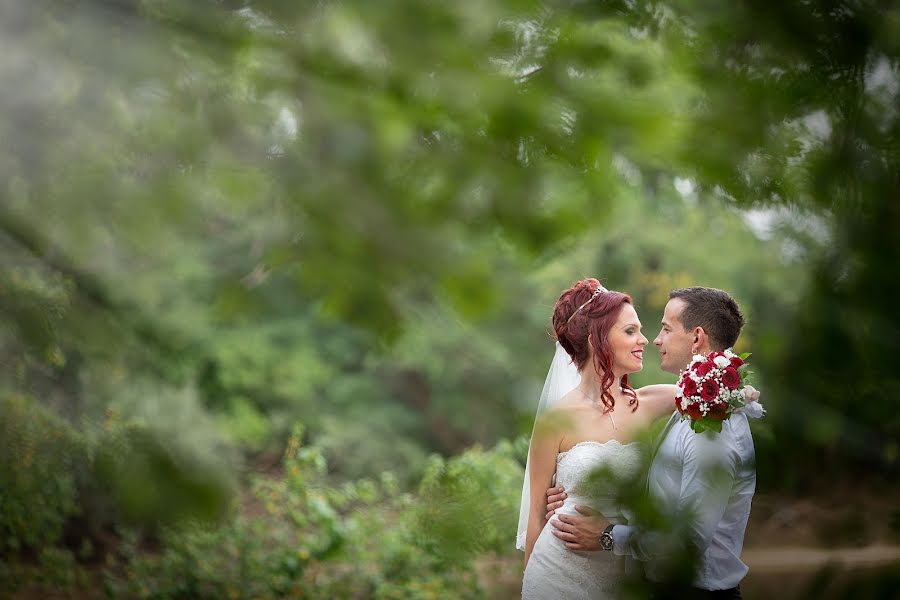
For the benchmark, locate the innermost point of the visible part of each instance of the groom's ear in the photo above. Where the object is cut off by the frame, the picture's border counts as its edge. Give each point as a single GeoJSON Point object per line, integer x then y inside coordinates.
{"type": "Point", "coordinates": [700, 338]}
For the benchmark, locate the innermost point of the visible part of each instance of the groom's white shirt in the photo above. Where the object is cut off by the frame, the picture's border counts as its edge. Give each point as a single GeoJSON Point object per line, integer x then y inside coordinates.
{"type": "Point", "coordinates": [712, 478]}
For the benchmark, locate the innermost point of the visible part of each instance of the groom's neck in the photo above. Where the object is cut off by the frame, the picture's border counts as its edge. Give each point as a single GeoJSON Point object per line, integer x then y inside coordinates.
{"type": "Point", "coordinates": [707, 348]}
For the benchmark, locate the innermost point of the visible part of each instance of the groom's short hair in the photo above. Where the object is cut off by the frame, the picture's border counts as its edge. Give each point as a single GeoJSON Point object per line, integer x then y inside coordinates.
{"type": "Point", "coordinates": [714, 310]}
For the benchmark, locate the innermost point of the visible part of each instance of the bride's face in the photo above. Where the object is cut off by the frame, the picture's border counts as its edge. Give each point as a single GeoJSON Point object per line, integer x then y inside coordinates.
{"type": "Point", "coordinates": [626, 342]}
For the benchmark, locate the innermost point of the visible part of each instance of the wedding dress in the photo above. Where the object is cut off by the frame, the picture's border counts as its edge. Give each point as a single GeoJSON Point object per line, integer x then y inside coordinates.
{"type": "Point", "coordinates": [590, 473]}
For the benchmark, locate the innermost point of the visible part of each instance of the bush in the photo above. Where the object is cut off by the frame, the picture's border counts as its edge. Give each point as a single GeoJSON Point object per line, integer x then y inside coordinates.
{"type": "Point", "coordinates": [153, 480]}
{"type": "Point", "coordinates": [298, 537]}
{"type": "Point", "coordinates": [283, 543]}
{"type": "Point", "coordinates": [41, 458]}
{"type": "Point", "coordinates": [470, 504]}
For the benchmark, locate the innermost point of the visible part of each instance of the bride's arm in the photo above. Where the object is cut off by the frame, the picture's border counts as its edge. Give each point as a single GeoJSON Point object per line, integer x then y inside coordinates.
{"type": "Point", "coordinates": [542, 460]}
{"type": "Point", "coordinates": [658, 398]}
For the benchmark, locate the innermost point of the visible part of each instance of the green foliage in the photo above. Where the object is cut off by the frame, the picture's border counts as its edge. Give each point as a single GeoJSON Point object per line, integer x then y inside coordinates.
{"type": "Point", "coordinates": [245, 425]}
{"type": "Point", "coordinates": [55, 480]}
{"type": "Point", "coordinates": [153, 480]}
{"type": "Point", "coordinates": [33, 304]}
{"type": "Point", "coordinates": [369, 441]}
{"type": "Point", "coordinates": [228, 217]}
{"type": "Point", "coordinates": [469, 504]}
{"type": "Point", "coordinates": [298, 537]}
{"type": "Point", "coordinates": [40, 459]}
{"type": "Point", "coordinates": [246, 175]}
{"type": "Point", "coordinates": [701, 425]}
{"type": "Point", "coordinates": [264, 363]}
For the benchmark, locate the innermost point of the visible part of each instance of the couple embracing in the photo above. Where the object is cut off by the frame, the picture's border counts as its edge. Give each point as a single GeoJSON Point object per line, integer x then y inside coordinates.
{"type": "Point", "coordinates": [579, 538]}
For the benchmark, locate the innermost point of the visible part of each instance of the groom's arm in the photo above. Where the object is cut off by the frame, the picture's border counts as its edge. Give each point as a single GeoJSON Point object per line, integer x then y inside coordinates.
{"type": "Point", "coordinates": [708, 473]}
{"type": "Point", "coordinates": [580, 532]}
{"type": "Point", "coordinates": [710, 468]}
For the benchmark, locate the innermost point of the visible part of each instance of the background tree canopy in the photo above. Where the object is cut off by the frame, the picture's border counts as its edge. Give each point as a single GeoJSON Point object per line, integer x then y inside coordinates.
{"type": "Point", "coordinates": [220, 219]}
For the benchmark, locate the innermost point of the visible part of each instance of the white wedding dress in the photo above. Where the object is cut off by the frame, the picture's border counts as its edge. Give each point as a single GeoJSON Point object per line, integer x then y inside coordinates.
{"type": "Point", "coordinates": [553, 570]}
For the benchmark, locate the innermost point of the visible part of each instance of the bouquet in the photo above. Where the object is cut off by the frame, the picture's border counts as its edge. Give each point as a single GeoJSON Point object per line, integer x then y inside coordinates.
{"type": "Point", "coordinates": [713, 387]}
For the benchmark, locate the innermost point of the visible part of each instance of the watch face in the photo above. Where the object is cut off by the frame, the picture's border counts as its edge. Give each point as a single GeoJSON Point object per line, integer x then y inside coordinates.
{"type": "Point", "coordinates": [606, 541]}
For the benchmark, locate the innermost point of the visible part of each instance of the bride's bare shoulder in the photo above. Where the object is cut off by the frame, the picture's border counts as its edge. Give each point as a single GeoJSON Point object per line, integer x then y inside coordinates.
{"type": "Point", "coordinates": [574, 400]}
{"type": "Point", "coordinates": [563, 412]}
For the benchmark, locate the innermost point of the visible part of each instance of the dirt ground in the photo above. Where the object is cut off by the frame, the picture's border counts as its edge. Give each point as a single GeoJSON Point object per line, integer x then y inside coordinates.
{"type": "Point", "coordinates": [848, 518]}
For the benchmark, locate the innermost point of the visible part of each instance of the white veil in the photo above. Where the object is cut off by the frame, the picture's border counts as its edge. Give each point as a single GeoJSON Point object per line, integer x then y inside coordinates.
{"type": "Point", "coordinates": [562, 378]}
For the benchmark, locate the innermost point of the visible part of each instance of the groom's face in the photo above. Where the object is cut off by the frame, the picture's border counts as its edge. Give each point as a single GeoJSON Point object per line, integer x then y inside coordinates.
{"type": "Point", "coordinates": [673, 341]}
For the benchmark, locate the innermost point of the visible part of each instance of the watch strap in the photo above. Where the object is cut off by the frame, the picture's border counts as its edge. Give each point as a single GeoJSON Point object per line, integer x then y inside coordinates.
{"type": "Point", "coordinates": [606, 539]}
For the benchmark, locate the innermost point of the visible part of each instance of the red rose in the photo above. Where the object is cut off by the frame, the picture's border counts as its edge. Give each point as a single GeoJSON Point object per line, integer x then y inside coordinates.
{"type": "Point", "coordinates": [703, 367]}
{"type": "Point", "coordinates": [717, 411]}
{"type": "Point", "coordinates": [712, 355]}
{"type": "Point", "coordinates": [736, 361]}
{"type": "Point", "coordinates": [709, 389]}
{"type": "Point", "coordinates": [693, 411]}
{"type": "Point", "coordinates": [689, 388]}
{"type": "Point", "coordinates": [678, 406]}
{"type": "Point", "coordinates": [730, 378]}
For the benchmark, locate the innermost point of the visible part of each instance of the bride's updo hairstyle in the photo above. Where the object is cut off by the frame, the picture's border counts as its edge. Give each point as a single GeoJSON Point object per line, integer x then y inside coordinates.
{"type": "Point", "coordinates": [588, 310]}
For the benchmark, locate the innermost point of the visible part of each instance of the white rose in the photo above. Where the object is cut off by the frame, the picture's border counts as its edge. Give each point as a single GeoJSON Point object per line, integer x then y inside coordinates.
{"type": "Point", "coordinates": [729, 353]}
{"type": "Point", "coordinates": [751, 394]}
{"type": "Point", "coordinates": [721, 362]}
{"type": "Point", "coordinates": [698, 358]}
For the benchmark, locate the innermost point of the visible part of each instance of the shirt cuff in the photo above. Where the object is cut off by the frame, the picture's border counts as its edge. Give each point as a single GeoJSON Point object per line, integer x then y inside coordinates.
{"type": "Point", "coordinates": [622, 535]}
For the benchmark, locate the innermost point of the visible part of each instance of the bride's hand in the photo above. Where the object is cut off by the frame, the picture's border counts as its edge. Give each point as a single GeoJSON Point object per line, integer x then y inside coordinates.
{"type": "Point", "coordinates": [555, 498]}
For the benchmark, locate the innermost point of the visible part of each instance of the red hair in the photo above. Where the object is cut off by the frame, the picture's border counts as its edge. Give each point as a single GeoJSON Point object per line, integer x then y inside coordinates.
{"type": "Point", "coordinates": [574, 327]}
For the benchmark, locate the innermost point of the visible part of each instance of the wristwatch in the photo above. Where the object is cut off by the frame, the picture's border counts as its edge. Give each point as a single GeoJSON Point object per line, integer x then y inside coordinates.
{"type": "Point", "coordinates": [606, 538]}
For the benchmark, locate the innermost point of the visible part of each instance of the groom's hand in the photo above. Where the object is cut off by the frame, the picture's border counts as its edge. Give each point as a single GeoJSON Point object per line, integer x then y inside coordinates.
{"type": "Point", "coordinates": [555, 498]}
{"type": "Point", "coordinates": [580, 532]}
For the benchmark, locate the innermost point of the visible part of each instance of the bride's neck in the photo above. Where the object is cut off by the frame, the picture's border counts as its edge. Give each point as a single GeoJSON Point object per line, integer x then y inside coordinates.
{"type": "Point", "coordinates": [592, 387]}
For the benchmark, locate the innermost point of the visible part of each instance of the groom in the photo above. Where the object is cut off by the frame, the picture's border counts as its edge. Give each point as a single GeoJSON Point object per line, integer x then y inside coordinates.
{"type": "Point", "coordinates": [704, 481]}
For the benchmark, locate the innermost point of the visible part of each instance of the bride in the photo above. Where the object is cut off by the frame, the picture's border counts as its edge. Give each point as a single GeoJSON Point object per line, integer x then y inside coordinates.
{"type": "Point", "coordinates": [588, 422]}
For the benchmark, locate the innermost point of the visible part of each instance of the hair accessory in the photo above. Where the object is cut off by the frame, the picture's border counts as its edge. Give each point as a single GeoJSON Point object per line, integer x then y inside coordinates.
{"type": "Point", "coordinates": [600, 289]}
